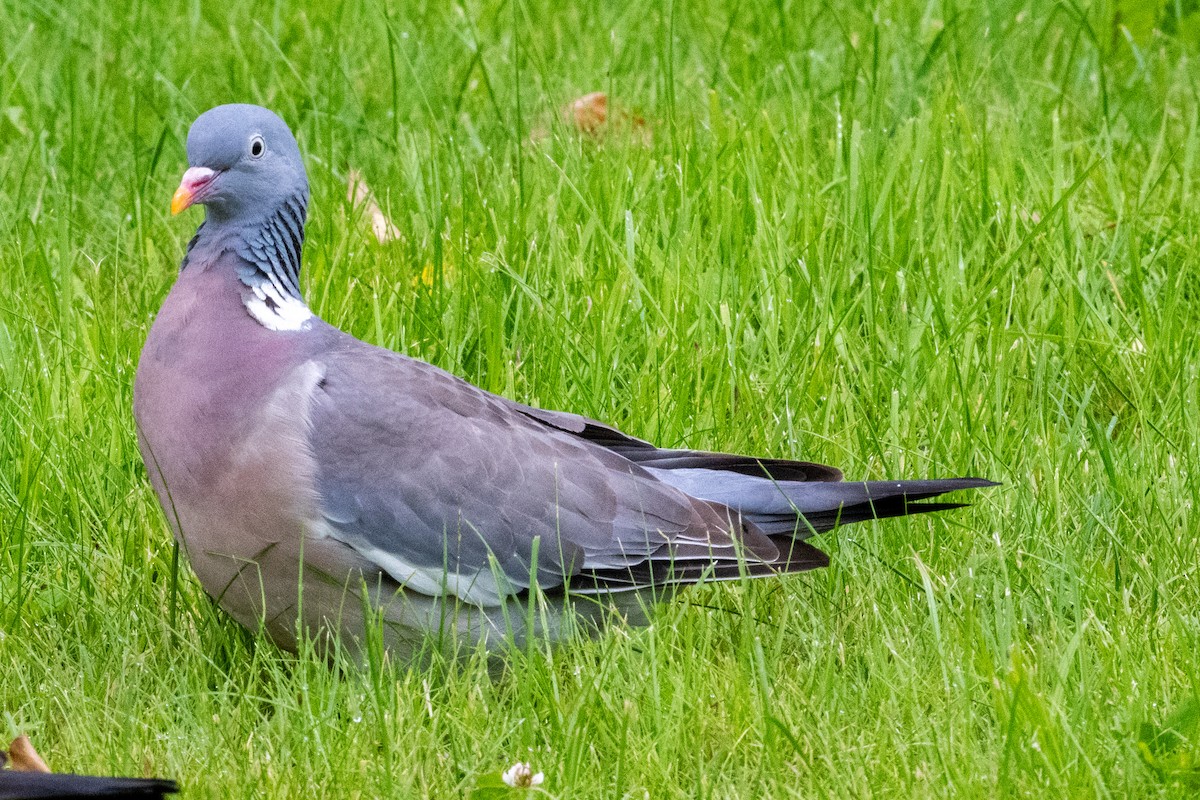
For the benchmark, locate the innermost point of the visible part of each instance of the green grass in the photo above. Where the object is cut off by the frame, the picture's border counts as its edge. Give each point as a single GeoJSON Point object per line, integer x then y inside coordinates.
{"type": "Point", "coordinates": [923, 240]}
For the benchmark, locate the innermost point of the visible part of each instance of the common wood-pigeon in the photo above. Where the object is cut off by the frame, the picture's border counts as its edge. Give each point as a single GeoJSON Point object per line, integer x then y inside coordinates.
{"type": "Point", "coordinates": [316, 481]}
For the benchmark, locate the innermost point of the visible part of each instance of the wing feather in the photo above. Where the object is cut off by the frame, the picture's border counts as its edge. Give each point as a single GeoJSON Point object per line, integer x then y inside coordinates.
{"type": "Point", "coordinates": [423, 473]}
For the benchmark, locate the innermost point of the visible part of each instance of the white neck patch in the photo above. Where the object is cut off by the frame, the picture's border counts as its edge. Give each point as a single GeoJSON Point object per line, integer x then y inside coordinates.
{"type": "Point", "coordinates": [276, 310]}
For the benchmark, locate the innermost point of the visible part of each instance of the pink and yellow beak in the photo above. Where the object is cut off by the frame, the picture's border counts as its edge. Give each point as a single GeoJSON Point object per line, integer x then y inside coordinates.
{"type": "Point", "coordinates": [192, 188]}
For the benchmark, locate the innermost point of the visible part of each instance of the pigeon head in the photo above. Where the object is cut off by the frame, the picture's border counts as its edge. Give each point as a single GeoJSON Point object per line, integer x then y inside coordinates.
{"type": "Point", "coordinates": [243, 163]}
{"type": "Point", "coordinates": [245, 168]}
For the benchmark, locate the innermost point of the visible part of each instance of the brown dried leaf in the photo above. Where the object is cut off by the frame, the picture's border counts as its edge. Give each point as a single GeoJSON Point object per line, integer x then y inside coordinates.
{"type": "Point", "coordinates": [359, 194]}
{"type": "Point", "coordinates": [593, 116]}
{"type": "Point", "coordinates": [24, 758]}
{"type": "Point", "coordinates": [588, 113]}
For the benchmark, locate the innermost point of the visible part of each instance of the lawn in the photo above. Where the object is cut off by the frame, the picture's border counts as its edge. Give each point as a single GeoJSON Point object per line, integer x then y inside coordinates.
{"type": "Point", "coordinates": [921, 240]}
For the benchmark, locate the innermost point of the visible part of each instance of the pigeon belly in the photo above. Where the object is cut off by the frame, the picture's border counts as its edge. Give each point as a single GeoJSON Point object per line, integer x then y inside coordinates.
{"type": "Point", "coordinates": [226, 452]}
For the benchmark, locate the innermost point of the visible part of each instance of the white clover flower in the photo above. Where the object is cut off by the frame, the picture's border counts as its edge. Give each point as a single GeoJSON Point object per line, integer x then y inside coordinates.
{"type": "Point", "coordinates": [521, 776]}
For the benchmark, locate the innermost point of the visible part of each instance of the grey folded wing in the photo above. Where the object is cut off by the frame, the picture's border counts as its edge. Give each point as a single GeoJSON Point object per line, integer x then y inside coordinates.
{"type": "Point", "coordinates": [452, 490]}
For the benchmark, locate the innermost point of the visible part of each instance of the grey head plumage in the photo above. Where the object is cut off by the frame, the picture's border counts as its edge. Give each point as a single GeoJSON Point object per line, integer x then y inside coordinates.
{"type": "Point", "coordinates": [245, 169]}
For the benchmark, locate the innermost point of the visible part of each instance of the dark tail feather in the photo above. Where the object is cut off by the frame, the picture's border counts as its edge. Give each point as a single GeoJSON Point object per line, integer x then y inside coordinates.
{"type": "Point", "coordinates": [894, 507]}
{"type": "Point", "coordinates": [794, 556]}
{"type": "Point", "coordinates": [778, 469]}
{"type": "Point", "coordinates": [786, 511]}
{"type": "Point", "coordinates": [781, 506]}
{"type": "Point", "coordinates": [33, 785]}
{"type": "Point", "coordinates": [859, 501]}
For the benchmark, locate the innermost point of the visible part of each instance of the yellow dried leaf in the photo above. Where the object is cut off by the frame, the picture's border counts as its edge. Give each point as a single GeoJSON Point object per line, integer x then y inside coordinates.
{"type": "Point", "coordinates": [425, 278]}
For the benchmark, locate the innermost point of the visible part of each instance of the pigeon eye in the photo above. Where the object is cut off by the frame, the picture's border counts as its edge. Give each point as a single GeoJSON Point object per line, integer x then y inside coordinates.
{"type": "Point", "coordinates": [257, 147]}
